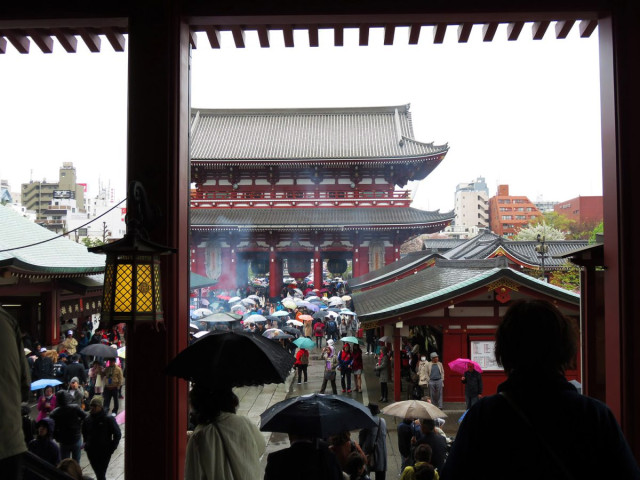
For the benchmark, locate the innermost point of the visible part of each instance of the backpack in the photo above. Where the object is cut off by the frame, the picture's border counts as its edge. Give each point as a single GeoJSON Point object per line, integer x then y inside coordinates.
{"type": "Point", "coordinates": [331, 326]}
{"type": "Point", "coordinates": [317, 328]}
{"type": "Point", "coordinates": [304, 360]}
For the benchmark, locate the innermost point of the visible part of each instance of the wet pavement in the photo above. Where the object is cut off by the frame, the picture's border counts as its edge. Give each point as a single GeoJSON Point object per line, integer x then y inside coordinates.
{"type": "Point", "coordinates": [255, 400]}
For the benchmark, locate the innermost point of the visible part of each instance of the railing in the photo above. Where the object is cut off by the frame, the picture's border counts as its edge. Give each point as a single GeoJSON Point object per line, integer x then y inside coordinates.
{"type": "Point", "coordinates": [220, 198]}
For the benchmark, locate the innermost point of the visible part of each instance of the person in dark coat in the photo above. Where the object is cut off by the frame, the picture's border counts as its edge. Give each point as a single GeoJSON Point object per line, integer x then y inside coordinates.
{"type": "Point", "coordinates": [472, 380]}
{"type": "Point", "coordinates": [28, 425]}
{"type": "Point", "coordinates": [43, 445]}
{"type": "Point", "coordinates": [538, 425]}
{"type": "Point", "coordinates": [75, 369]}
{"type": "Point", "coordinates": [305, 459]}
{"type": "Point", "coordinates": [68, 418]}
{"type": "Point", "coordinates": [101, 437]}
{"type": "Point", "coordinates": [436, 441]}
{"type": "Point", "coordinates": [406, 432]}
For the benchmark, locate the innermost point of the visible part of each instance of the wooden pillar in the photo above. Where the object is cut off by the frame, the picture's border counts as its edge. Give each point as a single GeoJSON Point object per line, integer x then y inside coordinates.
{"type": "Point", "coordinates": [157, 153]}
{"type": "Point", "coordinates": [317, 268]}
{"type": "Point", "coordinates": [51, 317]}
{"type": "Point", "coordinates": [363, 256]}
{"type": "Point", "coordinates": [275, 274]}
{"type": "Point", "coordinates": [620, 112]}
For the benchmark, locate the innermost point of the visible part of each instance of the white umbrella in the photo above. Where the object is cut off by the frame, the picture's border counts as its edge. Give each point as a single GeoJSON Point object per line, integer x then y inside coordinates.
{"type": "Point", "coordinates": [248, 301]}
{"type": "Point", "coordinates": [234, 299]}
{"type": "Point", "coordinates": [202, 312]}
{"type": "Point", "coordinates": [254, 297]}
{"type": "Point", "coordinates": [346, 298]}
{"type": "Point", "coordinates": [122, 352]}
{"type": "Point", "coordinates": [297, 323]}
{"type": "Point", "coordinates": [255, 318]}
{"type": "Point", "coordinates": [200, 334]}
{"type": "Point", "coordinates": [288, 303]}
{"type": "Point", "coordinates": [312, 297]}
{"type": "Point", "coordinates": [413, 409]}
{"type": "Point", "coordinates": [280, 313]}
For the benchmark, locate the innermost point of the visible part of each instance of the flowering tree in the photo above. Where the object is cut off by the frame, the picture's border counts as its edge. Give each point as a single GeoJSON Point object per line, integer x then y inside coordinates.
{"type": "Point", "coordinates": [531, 232]}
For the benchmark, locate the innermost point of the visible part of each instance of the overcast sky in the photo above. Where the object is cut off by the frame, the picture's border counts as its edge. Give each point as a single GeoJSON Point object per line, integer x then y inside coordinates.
{"type": "Point", "coordinates": [522, 113]}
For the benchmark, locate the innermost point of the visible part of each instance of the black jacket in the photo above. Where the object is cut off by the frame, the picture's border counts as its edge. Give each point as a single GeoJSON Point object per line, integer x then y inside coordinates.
{"type": "Point", "coordinates": [75, 369]}
{"type": "Point", "coordinates": [68, 423]}
{"type": "Point", "coordinates": [438, 447]}
{"type": "Point", "coordinates": [580, 431]}
{"type": "Point", "coordinates": [303, 461]}
{"type": "Point", "coordinates": [473, 383]}
{"type": "Point", "coordinates": [101, 433]}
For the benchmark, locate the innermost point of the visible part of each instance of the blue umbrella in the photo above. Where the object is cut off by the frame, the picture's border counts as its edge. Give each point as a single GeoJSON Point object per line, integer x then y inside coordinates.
{"type": "Point", "coordinates": [462, 416]}
{"type": "Point", "coordinates": [304, 342]}
{"type": "Point", "coordinates": [44, 382]}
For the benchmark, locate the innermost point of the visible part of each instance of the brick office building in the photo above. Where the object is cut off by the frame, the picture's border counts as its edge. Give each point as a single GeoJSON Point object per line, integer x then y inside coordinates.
{"type": "Point", "coordinates": [509, 213]}
{"type": "Point", "coordinates": [581, 209]}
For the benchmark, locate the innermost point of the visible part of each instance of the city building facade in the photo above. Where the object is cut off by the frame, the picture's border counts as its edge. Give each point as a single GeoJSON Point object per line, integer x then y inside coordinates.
{"type": "Point", "coordinates": [509, 213]}
{"type": "Point", "coordinates": [583, 210]}
{"type": "Point", "coordinates": [471, 208]}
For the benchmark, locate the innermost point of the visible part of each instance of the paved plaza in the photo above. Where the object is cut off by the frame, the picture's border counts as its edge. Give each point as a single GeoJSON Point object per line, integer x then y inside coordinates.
{"type": "Point", "coordinates": [255, 400]}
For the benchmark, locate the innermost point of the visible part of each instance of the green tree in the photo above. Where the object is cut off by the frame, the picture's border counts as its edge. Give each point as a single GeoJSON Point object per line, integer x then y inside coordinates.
{"type": "Point", "coordinates": [531, 232]}
{"type": "Point", "coordinates": [598, 229]}
{"type": "Point", "coordinates": [91, 242]}
{"type": "Point", "coordinates": [555, 220]}
{"type": "Point", "coordinates": [569, 278]}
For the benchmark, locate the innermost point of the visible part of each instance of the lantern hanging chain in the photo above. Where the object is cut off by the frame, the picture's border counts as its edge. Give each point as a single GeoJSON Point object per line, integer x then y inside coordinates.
{"type": "Point", "coordinates": [66, 233]}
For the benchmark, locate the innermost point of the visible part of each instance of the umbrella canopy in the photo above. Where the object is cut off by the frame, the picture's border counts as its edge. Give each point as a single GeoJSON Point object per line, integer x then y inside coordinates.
{"type": "Point", "coordinates": [221, 317]}
{"type": "Point", "coordinates": [293, 331]}
{"type": "Point", "coordinates": [99, 350]}
{"type": "Point", "coordinates": [352, 340]}
{"type": "Point", "coordinates": [280, 313]}
{"type": "Point", "coordinates": [316, 415]}
{"type": "Point", "coordinates": [272, 332]}
{"type": "Point", "coordinates": [234, 299]}
{"type": "Point", "coordinates": [346, 298]}
{"type": "Point", "coordinates": [254, 297]}
{"type": "Point", "coordinates": [120, 418]}
{"type": "Point", "coordinates": [319, 315]}
{"type": "Point", "coordinates": [311, 298]}
{"type": "Point", "coordinates": [122, 352]}
{"type": "Point", "coordinates": [346, 311]}
{"type": "Point", "coordinates": [296, 322]}
{"type": "Point", "coordinates": [305, 317]}
{"type": "Point", "coordinates": [193, 328]}
{"type": "Point", "coordinates": [202, 312]}
{"type": "Point", "coordinates": [289, 303]}
{"type": "Point", "coordinates": [384, 339]}
{"type": "Point", "coordinates": [248, 301]}
{"type": "Point", "coordinates": [234, 358]}
{"type": "Point", "coordinates": [45, 382]}
{"type": "Point", "coordinates": [413, 409]}
{"type": "Point", "coordinates": [297, 292]}
{"type": "Point", "coordinates": [281, 336]}
{"type": "Point", "coordinates": [200, 334]}
{"type": "Point", "coordinates": [239, 309]}
{"type": "Point", "coordinates": [304, 342]}
{"type": "Point", "coordinates": [255, 318]}
{"type": "Point", "coordinates": [459, 365]}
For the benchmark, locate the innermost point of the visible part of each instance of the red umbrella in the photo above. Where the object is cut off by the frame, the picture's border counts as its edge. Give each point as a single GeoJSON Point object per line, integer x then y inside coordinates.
{"type": "Point", "coordinates": [305, 317]}
{"type": "Point", "coordinates": [459, 365]}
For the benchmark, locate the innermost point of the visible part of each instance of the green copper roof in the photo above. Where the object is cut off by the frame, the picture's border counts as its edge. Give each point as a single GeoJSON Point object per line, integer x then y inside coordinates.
{"type": "Point", "coordinates": [59, 257]}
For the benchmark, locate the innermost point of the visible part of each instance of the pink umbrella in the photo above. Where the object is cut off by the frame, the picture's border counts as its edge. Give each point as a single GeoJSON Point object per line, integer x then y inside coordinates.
{"type": "Point", "coordinates": [120, 418]}
{"type": "Point", "coordinates": [459, 365]}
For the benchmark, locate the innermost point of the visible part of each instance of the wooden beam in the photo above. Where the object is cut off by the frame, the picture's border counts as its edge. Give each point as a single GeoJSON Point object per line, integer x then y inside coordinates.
{"type": "Point", "coordinates": [68, 41]}
{"type": "Point", "coordinates": [389, 33]}
{"type": "Point", "coordinates": [193, 39]}
{"type": "Point", "coordinates": [238, 36]}
{"type": "Point", "coordinates": [313, 36]}
{"type": "Point", "coordinates": [364, 35]}
{"type": "Point", "coordinates": [338, 36]}
{"type": "Point", "coordinates": [91, 39]}
{"type": "Point", "coordinates": [563, 28]}
{"type": "Point", "coordinates": [3, 45]}
{"type": "Point", "coordinates": [19, 40]}
{"type": "Point", "coordinates": [117, 41]}
{"type": "Point", "coordinates": [263, 36]}
{"type": "Point", "coordinates": [464, 30]}
{"type": "Point", "coordinates": [213, 34]}
{"type": "Point", "coordinates": [587, 27]}
{"type": "Point", "coordinates": [42, 39]}
{"type": "Point", "coordinates": [513, 31]}
{"type": "Point", "coordinates": [539, 29]}
{"type": "Point", "coordinates": [438, 32]}
{"type": "Point", "coordinates": [287, 32]}
{"type": "Point", "coordinates": [414, 33]}
{"type": "Point", "coordinates": [489, 31]}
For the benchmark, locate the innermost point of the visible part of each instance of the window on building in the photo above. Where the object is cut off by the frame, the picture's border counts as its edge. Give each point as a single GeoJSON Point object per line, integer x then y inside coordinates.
{"type": "Point", "coordinates": [521, 217]}
{"type": "Point", "coordinates": [506, 217]}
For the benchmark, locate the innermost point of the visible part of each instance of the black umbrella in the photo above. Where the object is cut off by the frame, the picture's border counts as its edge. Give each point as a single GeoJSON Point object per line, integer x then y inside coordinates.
{"type": "Point", "coordinates": [316, 415]}
{"type": "Point", "coordinates": [234, 358]}
{"type": "Point", "coordinates": [99, 350]}
{"type": "Point", "coordinates": [293, 331]}
{"type": "Point", "coordinates": [320, 315]}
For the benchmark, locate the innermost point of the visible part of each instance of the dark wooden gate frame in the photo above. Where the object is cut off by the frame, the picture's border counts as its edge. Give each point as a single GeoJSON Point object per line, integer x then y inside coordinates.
{"type": "Point", "coordinates": [160, 33]}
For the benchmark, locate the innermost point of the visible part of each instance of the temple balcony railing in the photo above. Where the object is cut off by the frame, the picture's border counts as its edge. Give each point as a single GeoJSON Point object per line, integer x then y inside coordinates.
{"type": "Point", "coordinates": [339, 198]}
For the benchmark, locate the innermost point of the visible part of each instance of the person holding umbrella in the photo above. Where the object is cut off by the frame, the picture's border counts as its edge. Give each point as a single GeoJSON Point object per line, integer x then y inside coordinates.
{"type": "Point", "coordinates": [472, 380]}
{"type": "Point", "coordinates": [331, 363]}
{"type": "Point", "coordinates": [357, 367]}
{"type": "Point", "coordinates": [374, 444]}
{"type": "Point", "coordinates": [223, 446]}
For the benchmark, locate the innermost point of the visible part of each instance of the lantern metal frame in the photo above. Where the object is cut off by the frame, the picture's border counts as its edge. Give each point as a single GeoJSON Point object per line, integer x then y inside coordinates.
{"type": "Point", "coordinates": [132, 278]}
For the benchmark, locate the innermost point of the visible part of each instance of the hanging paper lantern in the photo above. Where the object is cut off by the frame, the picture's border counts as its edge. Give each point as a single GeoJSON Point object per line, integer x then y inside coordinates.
{"type": "Point", "coordinates": [299, 266]}
{"type": "Point", "coordinates": [337, 266]}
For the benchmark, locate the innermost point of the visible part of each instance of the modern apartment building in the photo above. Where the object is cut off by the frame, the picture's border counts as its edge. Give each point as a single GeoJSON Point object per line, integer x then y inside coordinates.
{"type": "Point", "coordinates": [471, 208]}
{"type": "Point", "coordinates": [509, 213]}
{"type": "Point", "coordinates": [65, 194]}
{"type": "Point", "coordinates": [583, 210]}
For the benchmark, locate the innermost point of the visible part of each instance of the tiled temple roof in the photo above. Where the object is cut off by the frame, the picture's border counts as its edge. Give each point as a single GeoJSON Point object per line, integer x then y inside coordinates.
{"type": "Point", "coordinates": [313, 218]}
{"type": "Point", "coordinates": [306, 134]}
{"type": "Point", "coordinates": [409, 261]}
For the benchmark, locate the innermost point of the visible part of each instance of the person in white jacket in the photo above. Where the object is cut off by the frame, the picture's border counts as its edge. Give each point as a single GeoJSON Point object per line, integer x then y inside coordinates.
{"type": "Point", "coordinates": [224, 445]}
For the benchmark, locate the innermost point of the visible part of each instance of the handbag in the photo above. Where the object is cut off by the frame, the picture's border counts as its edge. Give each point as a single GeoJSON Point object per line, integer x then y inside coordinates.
{"type": "Point", "coordinates": [376, 373]}
{"type": "Point", "coordinates": [329, 375]}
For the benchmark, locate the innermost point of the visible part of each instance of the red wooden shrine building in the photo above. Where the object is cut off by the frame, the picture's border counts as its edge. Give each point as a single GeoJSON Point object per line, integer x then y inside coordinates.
{"type": "Point", "coordinates": [304, 186]}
